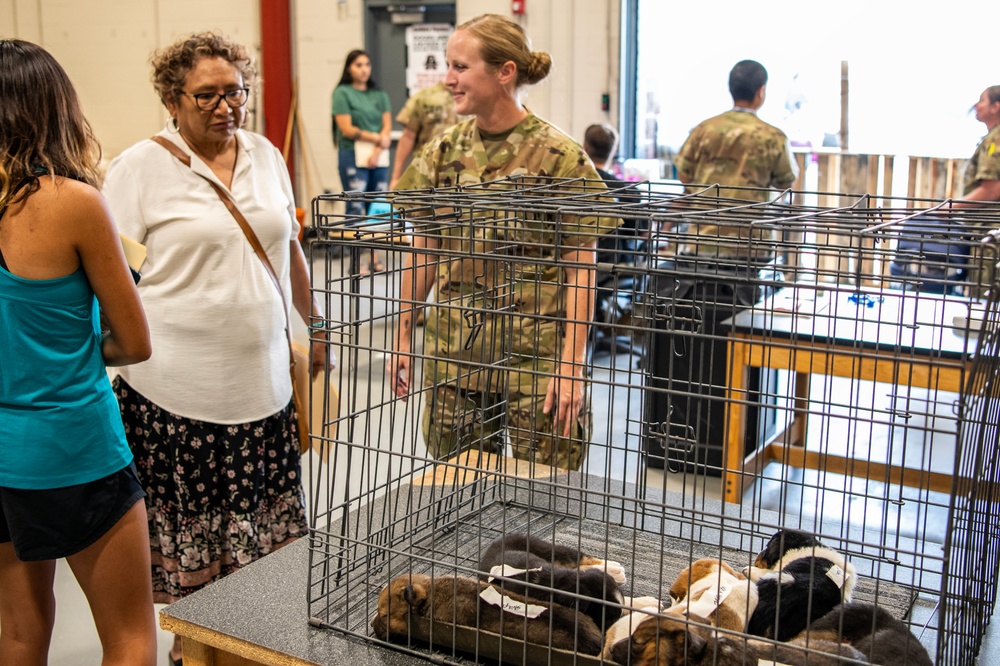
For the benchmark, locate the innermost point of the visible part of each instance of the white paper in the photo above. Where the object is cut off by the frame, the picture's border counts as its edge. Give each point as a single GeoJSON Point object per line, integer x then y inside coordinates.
{"type": "Point", "coordinates": [837, 575]}
{"type": "Point", "coordinates": [507, 571]}
{"type": "Point", "coordinates": [363, 152]}
{"type": "Point", "coordinates": [492, 596]}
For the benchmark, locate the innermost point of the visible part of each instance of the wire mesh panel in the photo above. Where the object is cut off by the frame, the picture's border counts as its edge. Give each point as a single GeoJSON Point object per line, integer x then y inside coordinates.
{"type": "Point", "coordinates": [619, 400]}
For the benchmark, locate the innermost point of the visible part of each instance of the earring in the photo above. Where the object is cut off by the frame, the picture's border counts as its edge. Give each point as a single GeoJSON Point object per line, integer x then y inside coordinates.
{"type": "Point", "coordinates": [172, 125]}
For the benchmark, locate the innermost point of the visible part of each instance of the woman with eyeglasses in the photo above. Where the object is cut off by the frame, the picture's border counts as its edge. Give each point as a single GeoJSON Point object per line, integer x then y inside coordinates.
{"type": "Point", "coordinates": [210, 415]}
{"type": "Point", "coordinates": [362, 121]}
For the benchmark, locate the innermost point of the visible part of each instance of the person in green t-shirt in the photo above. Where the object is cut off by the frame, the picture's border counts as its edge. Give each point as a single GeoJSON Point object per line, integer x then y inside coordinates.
{"type": "Point", "coordinates": [361, 115]}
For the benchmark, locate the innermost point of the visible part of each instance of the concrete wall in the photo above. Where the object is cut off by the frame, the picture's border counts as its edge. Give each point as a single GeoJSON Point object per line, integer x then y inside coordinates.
{"type": "Point", "coordinates": [105, 46]}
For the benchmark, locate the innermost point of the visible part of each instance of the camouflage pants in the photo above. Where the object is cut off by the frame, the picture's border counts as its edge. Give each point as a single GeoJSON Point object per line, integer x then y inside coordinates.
{"type": "Point", "coordinates": [455, 420]}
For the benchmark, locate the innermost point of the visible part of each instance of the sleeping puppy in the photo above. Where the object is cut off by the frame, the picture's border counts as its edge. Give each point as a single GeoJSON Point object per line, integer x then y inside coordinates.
{"type": "Point", "coordinates": [873, 631]}
{"type": "Point", "coordinates": [798, 580]}
{"type": "Point", "coordinates": [540, 551]}
{"type": "Point", "coordinates": [622, 629]}
{"type": "Point", "coordinates": [457, 600]}
{"type": "Point", "coordinates": [675, 640]}
{"type": "Point", "coordinates": [560, 576]}
{"type": "Point", "coordinates": [712, 589]}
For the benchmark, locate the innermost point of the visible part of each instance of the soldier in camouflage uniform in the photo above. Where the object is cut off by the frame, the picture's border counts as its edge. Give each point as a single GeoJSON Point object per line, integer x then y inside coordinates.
{"type": "Point", "coordinates": [507, 338]}
{"type": "Point", "coordinates": [426, 114]}
{"type": "Point", "coordinates": [982, 175]}
{"type": "Point", "coordinates": [982, 179]}
{"type": "Point", "coordinates": [737, 149]}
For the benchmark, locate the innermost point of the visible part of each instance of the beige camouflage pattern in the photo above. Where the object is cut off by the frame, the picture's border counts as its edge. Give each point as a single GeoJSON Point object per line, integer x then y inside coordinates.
{"type": "Point", "coordinates": [984, 165]}
{"type": "Point", "coordinates": [496, 328]}
{"type": "Point", "coordinates": [985, 162]}
{"type": "Point", "coordinates": [457, 419]}
{"type": "Point", "coordinates": [735, 148]}
{"type": "Point", "coordinates": [427, 113]}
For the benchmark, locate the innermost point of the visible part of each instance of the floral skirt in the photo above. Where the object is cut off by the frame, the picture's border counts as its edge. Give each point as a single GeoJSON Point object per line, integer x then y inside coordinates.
{"type": "Point", "coordinates": [219, 496]}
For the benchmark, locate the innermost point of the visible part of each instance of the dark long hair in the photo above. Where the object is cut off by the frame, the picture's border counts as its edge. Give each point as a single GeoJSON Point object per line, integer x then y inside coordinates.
{"type": "Point", "coordinates": [345, 76]}
{"type": "Point", "coordinates": [41, 122]}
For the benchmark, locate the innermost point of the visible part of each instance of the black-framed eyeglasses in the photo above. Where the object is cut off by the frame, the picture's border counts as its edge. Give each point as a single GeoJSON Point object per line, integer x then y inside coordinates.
{"type": "Point", "coordinates": [209, 101]}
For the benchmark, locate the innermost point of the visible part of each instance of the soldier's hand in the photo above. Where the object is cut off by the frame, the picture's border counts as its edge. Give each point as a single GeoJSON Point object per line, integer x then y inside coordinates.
{"type": "Point", "coordinates": [564, 397]}
{"type": "Point", "coordinates": [397, 369]}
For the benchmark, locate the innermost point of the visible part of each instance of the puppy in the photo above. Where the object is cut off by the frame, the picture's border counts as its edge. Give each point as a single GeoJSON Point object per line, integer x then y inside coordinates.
{"type": "Point", "coordinates": [554, 554]}
{"type": "Point", "coordinates": [873, 631]}
{"type": "Point", "coordinates": [798, 580]}
{"type": "Point", "coordinates": [674, 640]}
{"type": "Point", "coordinates": [622, 629]}
{"type": "Point", "coordinates": [711, 588]}
{"type": "Point", "coordinates": [563, 575]}
{"type": "Point", "coordinates": [456, 600]}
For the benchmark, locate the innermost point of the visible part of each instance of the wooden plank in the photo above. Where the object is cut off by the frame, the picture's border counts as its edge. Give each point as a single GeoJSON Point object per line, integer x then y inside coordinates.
{"type": "Point", "coordinates": [861, 468]}
{"type": "Point", "coordinates": [473, 465]}
{"type": "Point", "coordinates": [209, 647]}
{"type": "Point", "coordinates": [941, 374]}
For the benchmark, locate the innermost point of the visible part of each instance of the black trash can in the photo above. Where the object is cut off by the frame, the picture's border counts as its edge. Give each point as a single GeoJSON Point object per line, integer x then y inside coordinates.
{"type": "Point", "coordinates": [686, 366]}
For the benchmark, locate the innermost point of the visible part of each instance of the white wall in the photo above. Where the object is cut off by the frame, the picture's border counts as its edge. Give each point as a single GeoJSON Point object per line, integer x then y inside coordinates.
{"type": "Point", "coordinates": [105, 47]}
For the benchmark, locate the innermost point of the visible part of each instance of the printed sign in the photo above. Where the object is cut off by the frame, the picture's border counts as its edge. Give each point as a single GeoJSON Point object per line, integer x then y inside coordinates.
{"type": "Point", "coordinates": [425, 54]}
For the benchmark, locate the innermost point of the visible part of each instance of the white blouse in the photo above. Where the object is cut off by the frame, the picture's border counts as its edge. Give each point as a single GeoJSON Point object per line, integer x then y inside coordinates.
{"type": "Point", "coordinates": [220, 351]}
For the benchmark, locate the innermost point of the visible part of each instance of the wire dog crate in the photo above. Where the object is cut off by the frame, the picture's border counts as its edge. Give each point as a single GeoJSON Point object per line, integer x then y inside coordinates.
{"type": "Point", "coordinates": [750, 367]}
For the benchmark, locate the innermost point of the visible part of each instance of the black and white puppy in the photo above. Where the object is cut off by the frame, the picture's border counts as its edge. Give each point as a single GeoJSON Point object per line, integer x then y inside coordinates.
{"type": "Point", "coordinates": [677, 639]}
{"type": "Point", "coordinates": [798, 580]}
{"type": "Point", "coordinates": [873, 631]}
{"type": "Point", "coordinates": [518, 563]}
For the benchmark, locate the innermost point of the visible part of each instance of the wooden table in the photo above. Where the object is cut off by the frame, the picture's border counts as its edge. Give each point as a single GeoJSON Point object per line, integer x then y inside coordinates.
{"type": "Point", "coordinates": [877, 336]}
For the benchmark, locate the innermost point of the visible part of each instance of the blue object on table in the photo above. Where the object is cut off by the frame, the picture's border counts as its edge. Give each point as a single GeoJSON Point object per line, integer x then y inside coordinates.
{"type": "Point", "coordinates": [866, 300]}
{"type": "Point", "coordinates": [377, 208]}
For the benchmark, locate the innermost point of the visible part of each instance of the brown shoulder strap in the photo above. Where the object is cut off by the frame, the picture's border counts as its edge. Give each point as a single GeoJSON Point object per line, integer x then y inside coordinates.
{"type": "Point", "coordinates": [244, 225]}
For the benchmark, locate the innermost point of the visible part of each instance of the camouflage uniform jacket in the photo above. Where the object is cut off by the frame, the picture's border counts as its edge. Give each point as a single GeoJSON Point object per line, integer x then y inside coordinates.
{"type": "Point", "coordinates": [427, 113]}
{"type": "Point", "coordinates": [500, 262]}
{"type": "Point", "coordinates": [735, 148]}
{"type": "Point", "coordinates": [985, 163]}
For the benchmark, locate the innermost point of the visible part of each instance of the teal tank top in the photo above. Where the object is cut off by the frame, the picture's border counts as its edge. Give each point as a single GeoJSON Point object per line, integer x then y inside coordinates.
{"type": "Point", "coordinates": [59, 418]}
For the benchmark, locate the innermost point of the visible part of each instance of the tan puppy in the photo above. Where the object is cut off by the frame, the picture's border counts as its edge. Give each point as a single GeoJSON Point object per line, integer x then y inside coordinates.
{"type": "Point", "coordinates": [712, 589]}
{"type": "Point", "coordinates": [673, 640]}
{"type": "Point", "coordinates": [456, 600]}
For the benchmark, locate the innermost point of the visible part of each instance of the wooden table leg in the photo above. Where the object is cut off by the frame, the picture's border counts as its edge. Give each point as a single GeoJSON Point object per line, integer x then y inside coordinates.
{"type": "Point", "coordinates": [736, 392]}
{"type": "Point", "coordinates": [196, 653]}
{"type": "Point", "coordinates": [800, 409]}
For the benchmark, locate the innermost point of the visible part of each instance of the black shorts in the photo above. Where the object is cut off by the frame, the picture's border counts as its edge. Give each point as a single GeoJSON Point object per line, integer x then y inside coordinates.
{"type": "Point", "coordinates": [56, 523]}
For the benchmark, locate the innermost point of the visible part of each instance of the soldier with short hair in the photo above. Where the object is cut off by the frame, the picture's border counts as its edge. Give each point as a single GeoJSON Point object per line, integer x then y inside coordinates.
{"type": "Point", "coordinates": [522, 373]}
{"type": "Point", "coordinates": [427, 113]}
{"type": "Point", "coordinates": [736, 149]}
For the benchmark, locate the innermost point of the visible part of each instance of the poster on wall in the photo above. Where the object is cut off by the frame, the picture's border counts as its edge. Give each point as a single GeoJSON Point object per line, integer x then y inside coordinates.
{"type": "Point", "coordinates": [425, 48]}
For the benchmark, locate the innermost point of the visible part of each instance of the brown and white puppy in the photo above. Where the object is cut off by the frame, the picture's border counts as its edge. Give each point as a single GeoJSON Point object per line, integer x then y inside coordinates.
{"type": "Point", "coordinates": [456, 600]}
{"type": "Point", "coordinates": [541, 570]}
{"type": "Point", "coordinates": [711, 588]}
{"type": "Point", "coordinates": [798, 580]}
{"type": "Point", "coordinates": [873, 631]}
{"type": "Point", "coordinates": [675, 640]}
